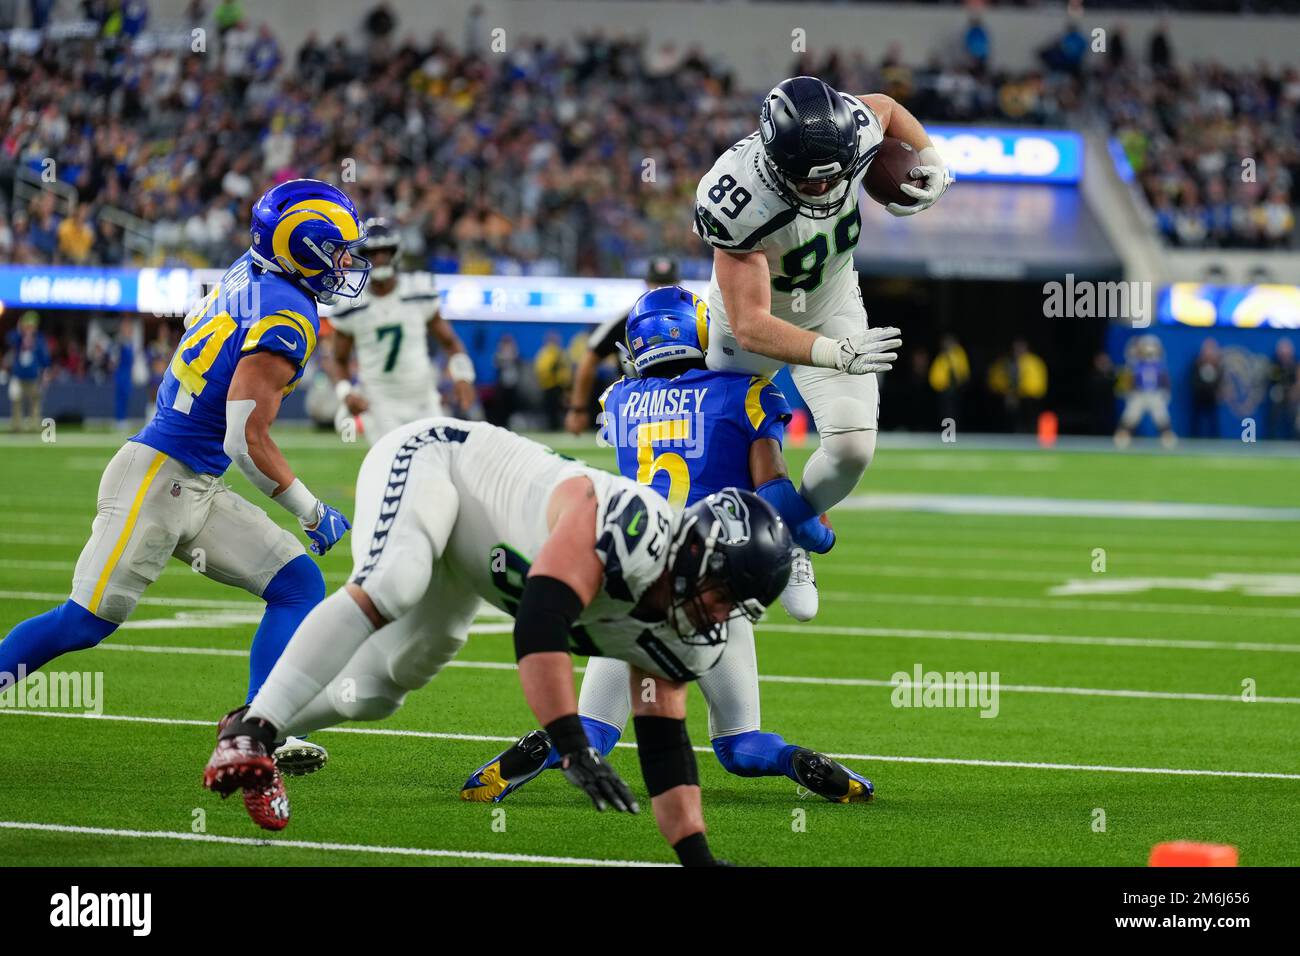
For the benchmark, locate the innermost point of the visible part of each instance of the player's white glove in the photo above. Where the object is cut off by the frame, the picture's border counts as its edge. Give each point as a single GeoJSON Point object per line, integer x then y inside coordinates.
{"type": "Point", "coordinates": [935, 179]}
{"type": "Point", "coordinates": [871, 350]}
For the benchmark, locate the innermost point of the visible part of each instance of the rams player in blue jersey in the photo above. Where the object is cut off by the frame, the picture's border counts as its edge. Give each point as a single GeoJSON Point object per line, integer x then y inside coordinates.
{"type": "Point", "coordinates": [244, 348]}
{"type": "Point", "coordinates": [688, 432]}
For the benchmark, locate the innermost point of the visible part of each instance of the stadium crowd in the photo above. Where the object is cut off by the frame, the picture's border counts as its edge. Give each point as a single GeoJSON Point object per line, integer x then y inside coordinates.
{"type": "Point", "coordinates": [576, 160]}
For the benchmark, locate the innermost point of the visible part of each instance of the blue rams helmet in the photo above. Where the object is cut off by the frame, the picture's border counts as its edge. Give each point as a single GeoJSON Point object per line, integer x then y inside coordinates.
{"type": "Point", "coordinates": [668, 324]}
{"type": "Point", "coordinates": [810, 138]}
{"type": "Point", "coordinates": [301, 229]}
{"type": "Point", "coordinates": [732, 542]}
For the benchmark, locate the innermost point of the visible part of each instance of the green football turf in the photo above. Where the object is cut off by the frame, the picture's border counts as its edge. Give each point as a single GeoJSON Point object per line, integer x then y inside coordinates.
{"type": "Point", "coordinates": [1108, 701]}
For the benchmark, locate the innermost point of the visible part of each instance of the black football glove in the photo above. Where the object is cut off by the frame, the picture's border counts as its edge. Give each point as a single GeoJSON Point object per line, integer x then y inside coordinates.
{"type": "Point", "coordinates": [588, 770]}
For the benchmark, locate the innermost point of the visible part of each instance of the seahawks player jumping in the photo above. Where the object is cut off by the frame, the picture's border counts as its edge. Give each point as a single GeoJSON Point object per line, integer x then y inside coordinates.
{"type": "Point", "coordinates": [688, 432]}
{"type": "Point", "coordinates": [162, 496]}
{"type": "Point", "coordinates": [780, 210]}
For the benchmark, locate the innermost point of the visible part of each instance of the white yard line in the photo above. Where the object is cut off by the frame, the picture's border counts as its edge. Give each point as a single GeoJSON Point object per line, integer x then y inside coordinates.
{"type": "Point", "coordinates": [883, 758]}
{"type": "Point", "coordinates": [867, 598]}
{"type": "Point", "coordinates": [1028, 506]}
{"type": "Point", "coordinates": [795, 679]}
{"type": "Point", "coordinates": [313, 845]}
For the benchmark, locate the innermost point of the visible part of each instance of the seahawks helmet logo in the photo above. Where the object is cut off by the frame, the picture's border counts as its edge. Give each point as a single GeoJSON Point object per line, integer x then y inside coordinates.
{"type": "Point", "coordinates": [730, 516]}
{"type": "Point", "coordinates": [765, 125]}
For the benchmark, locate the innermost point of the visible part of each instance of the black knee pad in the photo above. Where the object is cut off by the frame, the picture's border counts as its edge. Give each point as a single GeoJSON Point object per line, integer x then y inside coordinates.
{"type": "Point", "coordinates": [667, 760]}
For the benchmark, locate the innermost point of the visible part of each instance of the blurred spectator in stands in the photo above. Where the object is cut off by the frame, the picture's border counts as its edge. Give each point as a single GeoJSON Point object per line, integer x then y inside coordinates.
{"type": "Point", "coordinates": [28, 364]}
{"type": "Point", "coordinates": [1207, 390]}
{"type": "Point", "coordinates": [1144, 383]}
{"type": "Point", "coordinates": [949, 376]}
{"type": "Point", "coordinates": [1101, 395]}
{"type": "Point", "coordinates": [44, 226]}
{"type": "Point", "coordinates": [909, 389]}
{"type": "Point", "coordinates": [108, 247]}
{"type": "Point", "coordinates": [228, 14]}
{"type": "Point", "coordinates": [509, 372]}
{"type": "Point", "coordinates": [1020, 380]}
{"type": "Point", "coordinates": [554, 374]}
{"type": "Point", "coordinates": [977, 44]}
{"type": "Point", "coordinates": [1283, 392]}
{"type": "Point", "coordinates": [380, 23]}
{"type": "Point", "coordinates": [1117, 48]}
{"type": "Point", "coordinates": [1160, 53]}
{"type": "Point", "coordinates": [76, 237]}
{"type": "Point", "coordinates": [123, 370]}
{"type": "Point", "coordinates": [1275, 219]}
{"type": "Point", "coordinates": [264, 54]}
{"type": "Point", "coordinates": [1065, 53]}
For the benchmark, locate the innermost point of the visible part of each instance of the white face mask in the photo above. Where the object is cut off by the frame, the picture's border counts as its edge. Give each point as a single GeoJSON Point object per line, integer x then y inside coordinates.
{"type": "Point", "coordinates": [382, 273]}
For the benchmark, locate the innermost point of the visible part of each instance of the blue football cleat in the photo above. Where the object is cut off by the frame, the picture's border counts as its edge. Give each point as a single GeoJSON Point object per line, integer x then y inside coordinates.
{"type": "Point", "coordinates": [827, 778]}
{"type": "Point", "coordinates": [508, 770]}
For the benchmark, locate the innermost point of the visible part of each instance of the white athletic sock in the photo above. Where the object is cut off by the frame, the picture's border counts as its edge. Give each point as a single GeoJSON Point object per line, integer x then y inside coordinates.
{"type": "Point", "coordinates": [321, 647]}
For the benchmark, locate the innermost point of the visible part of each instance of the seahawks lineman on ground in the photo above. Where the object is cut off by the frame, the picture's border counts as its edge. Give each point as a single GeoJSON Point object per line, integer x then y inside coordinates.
{"type": "Point", "coordinates": [244, 348]}
{"type": "Point", "coordinates": [780, 210]}
{"type": "Point", "coordinates": [689, 432]}
{"type": "Point", "coordinates": [388, 327]}
{"type": "Point", "coordinates": [448, 512]}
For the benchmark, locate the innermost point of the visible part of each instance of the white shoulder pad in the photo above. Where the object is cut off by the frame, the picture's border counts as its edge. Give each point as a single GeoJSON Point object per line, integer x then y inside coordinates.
{"type": "Point", "coordinates": [633, 530]}
{"type": "Point", "coordinates": [735, 207]}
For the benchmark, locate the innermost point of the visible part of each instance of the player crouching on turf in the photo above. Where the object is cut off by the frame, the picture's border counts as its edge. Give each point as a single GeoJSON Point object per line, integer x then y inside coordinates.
{"type": "Point", "coordinates": [448, 512]}
{"type": "Point", "coordinates": [388, 327]}
{"type": "Point", "coordinates": [688, 432]}
{"type": "Point", "coordinates": [243, 350]}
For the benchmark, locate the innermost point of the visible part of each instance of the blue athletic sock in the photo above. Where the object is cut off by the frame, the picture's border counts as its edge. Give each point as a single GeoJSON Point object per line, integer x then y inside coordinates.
{"type": "Point", "coordinates": [293, 592]}
{"type": "Point", "coordinates": [602, 736]}
{"type": "Point", "coordinates": [755, 754]}
{"type": "Point", "coordinates": [37, 641]}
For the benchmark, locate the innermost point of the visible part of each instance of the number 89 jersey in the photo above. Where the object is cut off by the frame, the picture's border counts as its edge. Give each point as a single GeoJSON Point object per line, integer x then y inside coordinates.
{"type": "Point", "coordinates": [250, 310]}
{"type": "Point", "coordinates": [738, 209]}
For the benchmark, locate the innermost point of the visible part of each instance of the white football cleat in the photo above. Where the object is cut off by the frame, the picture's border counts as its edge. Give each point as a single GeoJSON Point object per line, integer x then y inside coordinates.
{"type": "Point", "coordinates": [297, 757]}
{"type": "Point", "coordinates": [800, 596]}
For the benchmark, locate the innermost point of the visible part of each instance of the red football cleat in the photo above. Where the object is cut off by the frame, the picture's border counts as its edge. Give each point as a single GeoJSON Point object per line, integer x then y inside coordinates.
{"type": "Point", "coordinates": [238, 761]}
{"type": "Point", "coordinates": [268, 804]}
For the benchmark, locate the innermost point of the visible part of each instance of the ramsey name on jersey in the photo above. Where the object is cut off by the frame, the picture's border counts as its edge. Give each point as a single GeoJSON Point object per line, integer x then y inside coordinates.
{"type": "Point", "coordinates": [738, 209]}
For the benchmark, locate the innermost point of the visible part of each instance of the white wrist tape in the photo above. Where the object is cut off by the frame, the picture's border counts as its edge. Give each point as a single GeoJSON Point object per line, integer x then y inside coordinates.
{"type": "Point", "coordinates": [461, 367]}
{"type": "Point", "coordinates": [825, 353]}
{"type": "Point", "coordinates": [297, 500]}
{"type": "Point", "coordinates": [236, 445]}
{"type": "Point", "coordinates": [342, 388]}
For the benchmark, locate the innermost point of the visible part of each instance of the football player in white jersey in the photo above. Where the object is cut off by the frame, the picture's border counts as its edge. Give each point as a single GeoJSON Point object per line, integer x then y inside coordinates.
{"type": "Point", "coordinates": [449, 512]}
{"type": "Point", "coordinates": [780, 209]}
{"type": "Point", "coordinates": [388, 327]}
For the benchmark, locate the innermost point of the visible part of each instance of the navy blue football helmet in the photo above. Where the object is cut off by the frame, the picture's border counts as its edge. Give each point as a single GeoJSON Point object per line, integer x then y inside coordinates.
{"type": "Point", "coordinates": [810, 139]}
{"type": "Point", "coordinates": [668, 324]}
{"type": "Point", "coordinates": [734, 542]}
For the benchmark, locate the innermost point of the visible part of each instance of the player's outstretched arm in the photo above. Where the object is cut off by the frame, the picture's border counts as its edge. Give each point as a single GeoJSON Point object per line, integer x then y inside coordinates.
{"type": "Point", "coordinates": [668, 765]}
{"type": "Point", "coordinates": [459, 365]}
{"type": "Point", "coordinates": [336, 367]}
{"type": "Point", "coordinates": [252, 404]}
{"type": "Point", "coordinates": [746, 287]}
{"type": "Point", "coordinates": [897, 121]}
{"type": "Point", "coordinates": [564, 578]}
{"type": "Point", "coordinates": [771, 478]}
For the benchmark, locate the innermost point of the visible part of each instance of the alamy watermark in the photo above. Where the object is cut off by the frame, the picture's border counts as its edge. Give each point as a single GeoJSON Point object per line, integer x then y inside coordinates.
{"type": "Point", "coordinates": [52, 690]}
{"type": "Point", "coordinates": [922, 688]}
{"type": "Point", "coordinates": [1129, 302]}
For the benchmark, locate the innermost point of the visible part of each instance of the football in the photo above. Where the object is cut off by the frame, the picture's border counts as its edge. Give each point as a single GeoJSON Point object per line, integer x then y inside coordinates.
{"type": "Point", "coordinates": [889, 169]}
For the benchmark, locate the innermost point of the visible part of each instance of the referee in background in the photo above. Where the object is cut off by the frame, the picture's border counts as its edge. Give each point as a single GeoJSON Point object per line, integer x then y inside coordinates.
{"type": "Point", "coordinates": [662, 271]}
